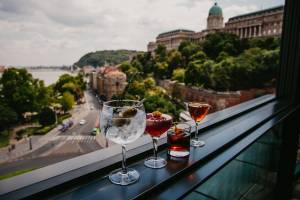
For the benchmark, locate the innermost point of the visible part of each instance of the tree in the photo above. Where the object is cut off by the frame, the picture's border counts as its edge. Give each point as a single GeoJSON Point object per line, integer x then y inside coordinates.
{"type": "Point", "coordinates": [160, 53]}
{"type": "Point", "coordinates": [72, 84]}
{"type": "Point", "coordinates": [174, 60]}
{"type": "Point", "coordinates": [187, 50]}
{"type": "Point", "coordinates": [67, 101]}
{"type": "Point", "coordinates": [159, 103]}
{"type": "Point", "coordinates": [223, 42]}
{"type": "Point", "coordinates": [22, 92]}
{"type": "Point", "coordinates": [128, 69]}
{"type": "Point", "coordinates": [8, 116]}
{"type": "Point", "coordinates": [47, 116]}
{"type": "Point", "coordinates": [221, 76]}
{"type": "Point", "coordinates": [178, 75]}
{"type": "Point", "coordinates": [161, 70]}
{"type": "Point", "coordinates": [192, 74]}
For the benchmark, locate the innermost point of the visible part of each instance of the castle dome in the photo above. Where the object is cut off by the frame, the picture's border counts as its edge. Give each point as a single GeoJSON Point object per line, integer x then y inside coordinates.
{"type": "Point", "coordinates": [215, 10]}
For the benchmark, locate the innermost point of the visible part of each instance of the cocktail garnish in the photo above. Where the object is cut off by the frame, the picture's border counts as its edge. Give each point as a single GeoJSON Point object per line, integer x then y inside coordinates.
{"type": "Point", "coordinates": [130, 112]}
{"type": "Point", "coordinates": [157, 114]}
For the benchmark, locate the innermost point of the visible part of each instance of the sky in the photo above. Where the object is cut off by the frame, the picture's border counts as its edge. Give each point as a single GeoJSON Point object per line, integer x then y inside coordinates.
{"type": "Point", "coordinates": [59, 32]}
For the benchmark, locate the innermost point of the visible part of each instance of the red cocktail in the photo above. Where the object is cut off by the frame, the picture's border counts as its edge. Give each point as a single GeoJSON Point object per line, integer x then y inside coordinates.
{"type": "Point", "coordinates": [157, 124]}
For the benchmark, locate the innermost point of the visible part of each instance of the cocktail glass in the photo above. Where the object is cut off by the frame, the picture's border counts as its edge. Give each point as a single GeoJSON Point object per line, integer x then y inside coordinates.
{"type": "Point", "coordinates": [198, 111]}
{"type": "Point", "coordinates": [156, 125]}
{"type": "Point", "coordinates": [122, 122]}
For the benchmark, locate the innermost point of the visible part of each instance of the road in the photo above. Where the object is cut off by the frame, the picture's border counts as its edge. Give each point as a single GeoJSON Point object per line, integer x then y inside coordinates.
{"type": "Point", "coordinates": [74, 142]}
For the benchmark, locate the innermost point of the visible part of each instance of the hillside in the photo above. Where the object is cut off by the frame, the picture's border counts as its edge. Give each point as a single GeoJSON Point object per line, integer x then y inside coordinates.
{"type": "Point", "coordinates": [99, 58]}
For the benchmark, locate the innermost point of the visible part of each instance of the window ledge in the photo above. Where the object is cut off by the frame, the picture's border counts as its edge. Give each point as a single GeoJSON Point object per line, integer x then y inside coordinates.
{"type": "Point", "coordinates": [222, 130]}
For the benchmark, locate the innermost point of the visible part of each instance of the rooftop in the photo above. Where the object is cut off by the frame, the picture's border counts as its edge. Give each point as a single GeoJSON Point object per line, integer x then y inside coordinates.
{"type": "Point", "coordinates": [215, 10]}
{"type": "Point", "coordinates": [176, 31]}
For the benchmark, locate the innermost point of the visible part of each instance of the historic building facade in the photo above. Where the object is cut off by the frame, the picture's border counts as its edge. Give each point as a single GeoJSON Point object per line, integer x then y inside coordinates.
{"type": "Point", "coordinates": [263, 23]}
{"type": "Point", "coordinates": [110, 81]}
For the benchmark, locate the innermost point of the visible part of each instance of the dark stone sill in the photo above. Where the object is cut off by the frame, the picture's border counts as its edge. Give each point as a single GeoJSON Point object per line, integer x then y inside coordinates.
{"type": "Point", "coordinates": [215, 123]}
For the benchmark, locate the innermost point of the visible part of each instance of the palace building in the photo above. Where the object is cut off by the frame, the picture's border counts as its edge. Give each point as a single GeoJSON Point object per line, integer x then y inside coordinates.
{"type": "Point", "coordinates": [263, 23]}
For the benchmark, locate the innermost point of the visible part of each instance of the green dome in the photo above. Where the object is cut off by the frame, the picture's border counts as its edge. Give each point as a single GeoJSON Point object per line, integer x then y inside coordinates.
{"type": "Point", "coordinates": [215, 10]}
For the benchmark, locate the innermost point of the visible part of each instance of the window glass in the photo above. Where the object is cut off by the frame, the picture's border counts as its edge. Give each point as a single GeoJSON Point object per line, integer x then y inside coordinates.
{"type": "Point", "coordinates": [60, 60]}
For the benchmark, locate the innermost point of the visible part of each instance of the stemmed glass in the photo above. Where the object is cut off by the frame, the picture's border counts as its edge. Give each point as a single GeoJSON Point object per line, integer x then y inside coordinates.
{"type": "Point", "coordinates": [122, 122]}
{"type": "Point", "coordinates": [157, 124]}
{"type": "Point", "coordinates": [198, 111]}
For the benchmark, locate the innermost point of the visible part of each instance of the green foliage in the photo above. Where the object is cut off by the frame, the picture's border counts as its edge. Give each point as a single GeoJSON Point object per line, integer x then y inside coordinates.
{"type": "Point", "coordinates": [99, 58]}
{"type": "Point", "coordinates": [16, 173]}
{"type": "Point", "coordinates": [161, 70]}
{"type": "Point", "coordinates": [159, 103]}
{"type": "Point", "coordinates": [160, 53]}
{"type": "Point", "coordinates": [128, 69]}
{"type": "Point", "coordinates": [222, 62]}
{"type": "Point", "coordinates": [179, 75]}
{"type": "Point", "coordinates": [67, 101]}
{"type": "Point", "coordinates": [216, 43]}
{"type": "Point", "coordinates": [8, 116]}
{"type": "Point", "coordinates": [4, 138]}
{"type": "Point", "coordinates": [72, 84]}
{"type": "Point", "coordinates": [21, 92]}
{"type": "Point", "coordinates": [188, 50]}
{"type": "Point", "coordinates": [269, 43]}
{"type": "Point", "coordinates": [47, 116]}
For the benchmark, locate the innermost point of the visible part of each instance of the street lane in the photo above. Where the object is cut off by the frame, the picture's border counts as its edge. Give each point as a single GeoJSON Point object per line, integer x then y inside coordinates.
{"type": "Point", "coordinates": [61, 149]}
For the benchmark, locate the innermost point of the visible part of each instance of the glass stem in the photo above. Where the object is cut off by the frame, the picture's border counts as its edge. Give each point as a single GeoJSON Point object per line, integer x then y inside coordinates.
{"type": "Point", "coordinates": [196, 133]}
{"type": "Point", "coordinates": [155, 147]}
{"type": "Point", "coordinates": [124, 168]}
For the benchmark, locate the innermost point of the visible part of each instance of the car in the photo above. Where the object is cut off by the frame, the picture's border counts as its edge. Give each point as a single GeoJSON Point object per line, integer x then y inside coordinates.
{"type": "Point", "coordinates": [95, 131]}
{"type": "Point", "coordinates": [82, 122]}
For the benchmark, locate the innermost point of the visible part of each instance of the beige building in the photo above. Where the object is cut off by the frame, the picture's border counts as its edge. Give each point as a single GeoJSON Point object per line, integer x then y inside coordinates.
{"type": "Point", "coordinates": [2, 68]}
{"type": "Point", "coordinates": [110, 81]}
{"type": "Point", "coordinates": [171, 39]}
{"type": "Point", "coordinates": [263, 23]}
{"type": "Point", "coordinates": [93, 78]}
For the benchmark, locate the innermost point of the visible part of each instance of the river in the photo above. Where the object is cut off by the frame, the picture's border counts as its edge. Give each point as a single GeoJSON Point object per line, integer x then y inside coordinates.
{"type": "Point", "coordinates": [48, 76]}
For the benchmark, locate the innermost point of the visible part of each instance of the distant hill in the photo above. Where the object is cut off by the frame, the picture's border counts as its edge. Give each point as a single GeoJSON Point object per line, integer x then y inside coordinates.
{"type": "Point", "coordinates": [99, 58]}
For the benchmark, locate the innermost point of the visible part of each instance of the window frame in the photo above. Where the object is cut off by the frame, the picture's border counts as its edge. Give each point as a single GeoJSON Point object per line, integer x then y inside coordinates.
{"type": "Point", "coordinates": [287, 92]}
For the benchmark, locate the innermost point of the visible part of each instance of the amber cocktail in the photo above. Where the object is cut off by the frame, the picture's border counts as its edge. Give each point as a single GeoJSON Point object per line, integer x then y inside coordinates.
{"type": "Point", "coordinates": [179, 140]}
{"type": "Point", "coordinates": [198, 111]}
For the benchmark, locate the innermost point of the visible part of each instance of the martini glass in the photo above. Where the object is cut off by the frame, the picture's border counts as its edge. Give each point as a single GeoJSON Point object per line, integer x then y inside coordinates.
{"type": "Point", "coordinates": [122, 122]}
{"type": "Point", "coordinates": [198, 111]}
{"type": "Point", "coordinates": [156, 125]}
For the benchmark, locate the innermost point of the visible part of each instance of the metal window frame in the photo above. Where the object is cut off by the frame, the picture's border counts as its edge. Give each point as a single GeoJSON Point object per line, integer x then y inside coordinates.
{"type": "Point", "coordinates": [287, 95]}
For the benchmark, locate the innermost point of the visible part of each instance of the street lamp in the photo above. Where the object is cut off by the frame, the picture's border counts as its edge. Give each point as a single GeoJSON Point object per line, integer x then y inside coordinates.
{"type": "Point", "coordinates": [29, 141]}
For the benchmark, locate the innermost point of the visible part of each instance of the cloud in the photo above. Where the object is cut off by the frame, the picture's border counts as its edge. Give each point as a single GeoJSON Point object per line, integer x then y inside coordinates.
{"type": "Point", "coordinates": [56, 32]}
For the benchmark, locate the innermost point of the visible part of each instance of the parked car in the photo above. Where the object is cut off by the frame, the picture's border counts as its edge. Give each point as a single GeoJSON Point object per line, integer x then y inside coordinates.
{"type": "Point", "coordinates": [95, 131]}
{"type": "Point", "coordinates": [82, 122]}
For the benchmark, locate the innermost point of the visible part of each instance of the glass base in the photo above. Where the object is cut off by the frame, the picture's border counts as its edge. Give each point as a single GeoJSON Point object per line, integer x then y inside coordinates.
{"type": "Point", "coordinates": [155, 163]}
{"type": "Point", "coordinates": [119, 178]}
{"type": "Point", "coordinates": [178, 154]}
{"type": "Point", "coordinates": [197, 143]}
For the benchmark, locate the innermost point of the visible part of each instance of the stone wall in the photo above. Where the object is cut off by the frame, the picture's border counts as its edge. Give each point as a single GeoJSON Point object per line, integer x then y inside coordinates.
{"type": "Point", "coordinates": [218, 100]}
